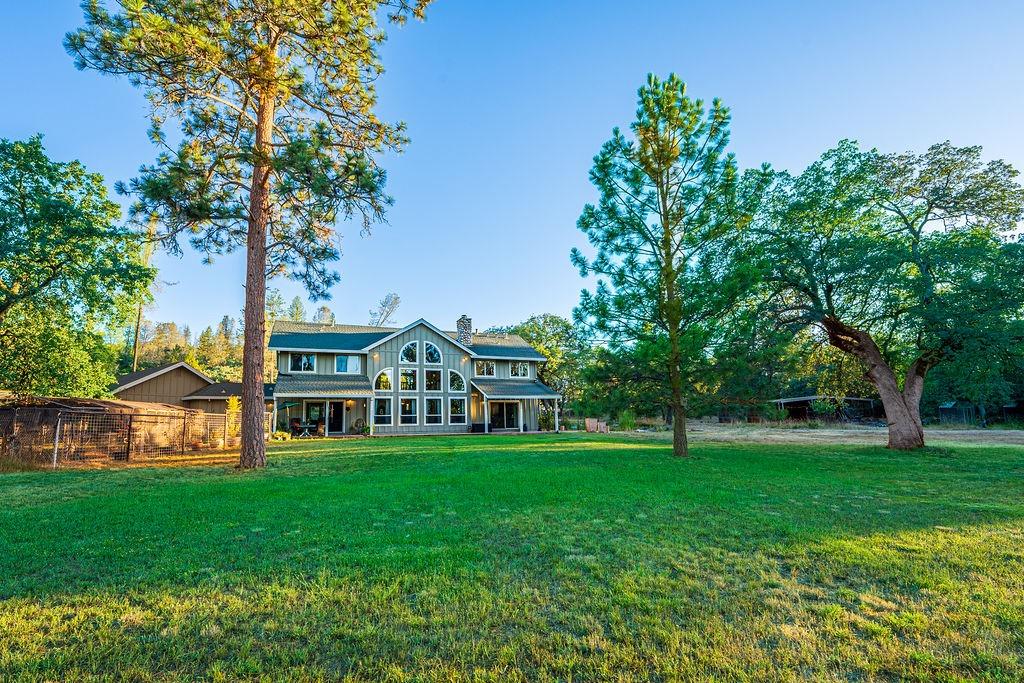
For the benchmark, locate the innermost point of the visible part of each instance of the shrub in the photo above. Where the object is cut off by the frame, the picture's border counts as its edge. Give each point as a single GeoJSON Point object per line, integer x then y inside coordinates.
{"type": "Point", "coordinates": [546, 420]}
{"type": "Point", "coordinates": [627, 420]}
{"type": "Point", "coordinates": [772, 412]}
{"type": "Point", "coordinates": [281, 436]}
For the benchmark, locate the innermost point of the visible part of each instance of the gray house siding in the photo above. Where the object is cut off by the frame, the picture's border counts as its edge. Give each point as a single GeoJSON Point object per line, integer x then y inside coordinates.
{"type": "Point", "coordinates": [452, 358]}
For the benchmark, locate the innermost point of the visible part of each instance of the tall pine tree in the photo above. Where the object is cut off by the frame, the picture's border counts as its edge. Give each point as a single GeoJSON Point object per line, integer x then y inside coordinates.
{"type": "Point", "coordinates": [274, 101]}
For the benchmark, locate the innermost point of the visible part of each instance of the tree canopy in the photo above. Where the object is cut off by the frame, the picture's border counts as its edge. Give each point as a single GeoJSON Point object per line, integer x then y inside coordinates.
{"type": "Point", "coordinates": [62, 241]}
{"type": "Point", "coordinates": [900, 261]}
{"type": "Point", "coordinates": [278, 137]}
{"type": "Point", "coordinates": [670, 210]}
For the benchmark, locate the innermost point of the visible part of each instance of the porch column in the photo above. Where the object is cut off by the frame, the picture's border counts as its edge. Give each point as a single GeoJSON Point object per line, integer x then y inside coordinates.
{"type": "Point", "coordinates": [487, 417]}
{"type": "Point", "coordinates": [556, 416]}
{"type": "Point", "coordinates": [369, 413]}
{"type": "Point", "coordinates": [273, 423]}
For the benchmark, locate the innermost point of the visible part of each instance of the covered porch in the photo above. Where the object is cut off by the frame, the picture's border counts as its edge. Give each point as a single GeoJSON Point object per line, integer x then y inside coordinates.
{"type": "Point", "coordinates": [507, 405]}
{"type": "Point", "coordinates": [322, 405]}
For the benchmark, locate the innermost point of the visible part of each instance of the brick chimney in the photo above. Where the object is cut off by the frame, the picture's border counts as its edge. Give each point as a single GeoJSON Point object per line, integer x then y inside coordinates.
{"type": "Point", "coordinates": [464, 330]}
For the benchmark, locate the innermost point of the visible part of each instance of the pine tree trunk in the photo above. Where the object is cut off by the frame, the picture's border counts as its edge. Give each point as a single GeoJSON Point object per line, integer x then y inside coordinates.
{"type": "Point", "coordinates": [680, 446]}
{"type": "Point", "coordinates": [254, 448]}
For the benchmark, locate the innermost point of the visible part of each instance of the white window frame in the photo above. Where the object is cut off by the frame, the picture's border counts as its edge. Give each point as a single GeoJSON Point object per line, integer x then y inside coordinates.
{"type": "Point", "coordinates": [415, 373]}
{"type": "Point", "coordinates": [522, 363]}
{"type": "Point", "coordinates": [391, 412]}
{"type": "Point", "coordinates": [465, 410]}
{"type": "Point", "coordinates": [391, 379]}
{"type": "Point", "coordinates": [355, 364]}
{"type": "Point", "coordinates": [439, 353]}
{"type": "Point", "coordinates": [415, 414]}
{"type": "Point", "coordinates": [458, 391]}
{"type": "Point", "coordinates": [440, 385]}
{"type": "Point", "coordinates": [494, 367]}
{"type": "Point", "coordinates": [301, 353]}
{"type": "Point", "coordinates": [401, 353]}
{"type": "Point", "coordinates": [426, 410]}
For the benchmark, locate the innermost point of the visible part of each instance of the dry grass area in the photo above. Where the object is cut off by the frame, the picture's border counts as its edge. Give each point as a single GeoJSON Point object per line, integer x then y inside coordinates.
{"type": "Point", "coordinates": [853, 435]}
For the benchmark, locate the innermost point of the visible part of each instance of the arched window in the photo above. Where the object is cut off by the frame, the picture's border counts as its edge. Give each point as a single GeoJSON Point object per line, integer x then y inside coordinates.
{"type": "Point", "coordinates": [456, 382]}
{"type": "Point", "coordinates": [431, 354]}
{"type": "Point", "coordinates": [409, 352]}
{"type": "Point", "coordinates": [382, 382]}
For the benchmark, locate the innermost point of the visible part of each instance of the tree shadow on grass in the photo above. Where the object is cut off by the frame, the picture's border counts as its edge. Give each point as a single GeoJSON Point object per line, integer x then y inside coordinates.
{"type": "Point", "coordinates": [434, 553]}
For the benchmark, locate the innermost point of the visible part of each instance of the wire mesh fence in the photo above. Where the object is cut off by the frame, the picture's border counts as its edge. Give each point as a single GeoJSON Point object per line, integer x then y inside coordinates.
{"type": "Point", "coordinates": [52, 436]}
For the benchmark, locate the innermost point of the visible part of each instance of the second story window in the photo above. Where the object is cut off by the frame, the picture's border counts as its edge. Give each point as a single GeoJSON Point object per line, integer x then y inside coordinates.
{"type": "Point", "coordinates": [302, 362]}
{"type": "Point", "coordinates": [431, 354]}
{"type": "Point", "coordinates": [484, 368]}
{"type": "Point", "coordinates": [409, 353]}
{"type": "Point", "coordinates": [519, 369]}
{"type": "Point", "coordinates": [346, 364]}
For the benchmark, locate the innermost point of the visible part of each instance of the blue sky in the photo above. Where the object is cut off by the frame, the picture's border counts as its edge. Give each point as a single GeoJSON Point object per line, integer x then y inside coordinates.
{"type": "Point", "coordinates": [506, 103]}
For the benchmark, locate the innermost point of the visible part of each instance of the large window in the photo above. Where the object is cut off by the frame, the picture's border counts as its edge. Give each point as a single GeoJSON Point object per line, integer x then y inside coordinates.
{"type": "Point", "coordinates": [457, 411]}
{"type": "Point", "coordinates": [407, 411]}
{"type": "Point", "coordinates": [302, 362]}
{"type": "Point", "coordinates": [409, 353]}
{"type": "Point", "coordinates": [431, 354]}
{"type": "Point", "coordinates": [382, 411]}
{"type": "Point", "coordinates": [382, 382]}
{"type": "Point", "coordinates": [484, 368]}
{"type": "Point", "coordinates": [407, 379]}
{"type": "Point", "coordinates": [346, 364]}
{"type": "Point", "coordinates": [432, 380]}
{"type": "Point", "coordinates": [456, 382]}
{"type": "Point", "coordinates": [519, 369]}
{"type": "Point", "coordinates": [432, 415]}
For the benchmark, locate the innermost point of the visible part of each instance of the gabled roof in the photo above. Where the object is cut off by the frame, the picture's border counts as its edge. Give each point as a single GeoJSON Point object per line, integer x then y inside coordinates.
{"type": "Point", "coordinates": [133, 378]}
{"type": "Point", "coordinates": [294, 336]}
{"type": "Point", "coordinates": [513, 388]}
{"type": "Point", "coordinates": [222, 390]}
{"type": "Point", "coordinates": [417, 323]}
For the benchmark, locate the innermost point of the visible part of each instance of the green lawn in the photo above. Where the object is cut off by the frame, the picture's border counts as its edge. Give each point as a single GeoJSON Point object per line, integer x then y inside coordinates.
{"type": "Point", "coordinates": [521, 558]}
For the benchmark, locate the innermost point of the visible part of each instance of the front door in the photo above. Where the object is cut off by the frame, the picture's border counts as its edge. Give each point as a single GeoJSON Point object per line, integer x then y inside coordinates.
{"type": "Point", "coordinates": [336, 417]}
{"type": "Point", "coordinates": [504, 414]}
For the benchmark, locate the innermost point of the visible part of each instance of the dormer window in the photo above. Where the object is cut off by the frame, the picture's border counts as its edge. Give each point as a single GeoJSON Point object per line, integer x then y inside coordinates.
{"type": "Point", "coordinates": [302, 362]}
{"type": "Point", "coordinates": [409, 353]}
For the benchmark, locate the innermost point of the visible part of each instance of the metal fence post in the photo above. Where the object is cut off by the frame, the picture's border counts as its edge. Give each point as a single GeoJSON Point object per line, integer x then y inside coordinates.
{"type": "Point", "coordinates": [56, 440]}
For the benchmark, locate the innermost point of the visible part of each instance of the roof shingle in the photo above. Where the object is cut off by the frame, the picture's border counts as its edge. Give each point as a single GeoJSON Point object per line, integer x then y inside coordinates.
{"type": "Point", "coordinates": [513, 388]}
{"type": "Point", "coordinates": [311, 385]}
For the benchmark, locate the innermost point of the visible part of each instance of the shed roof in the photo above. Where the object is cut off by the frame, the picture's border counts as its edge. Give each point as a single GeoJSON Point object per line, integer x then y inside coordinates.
{"type": "Point", "coordinates": [223, 390]}
{"type": "Point", "coordinates": [316, 386]}
{"type": "Point", "coordinates": [513, 388]}
{"type": "Point", "coordinates": [96, 405]}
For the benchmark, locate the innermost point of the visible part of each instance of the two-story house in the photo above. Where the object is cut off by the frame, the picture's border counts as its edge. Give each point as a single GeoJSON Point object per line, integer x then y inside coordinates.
{"type": "Point", "coordinates": [418, 379]}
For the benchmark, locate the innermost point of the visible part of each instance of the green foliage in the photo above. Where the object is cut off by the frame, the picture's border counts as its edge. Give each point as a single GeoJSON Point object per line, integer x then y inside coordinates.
{"type": "Point", "coordinates": [565, 346]}
{"type": "Point", "coordinates": [61, 243]}
{"type": "Point", "coordinates": [900, 261]}
{"type": "Point", "coordinates": [665, 229]}
{"type": "Point", "coordinates": [53, 352]}
{"type": "Point", "coordinates": [296, 311]}
{"type": "Point", "coordinates": [773, 412]}
{"type": "Point", "coordinates": [308, 65]}
{"type": "Point", "coordinates": [823, 407]}
{"type": "Point", "coordinates": [627, 420]}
